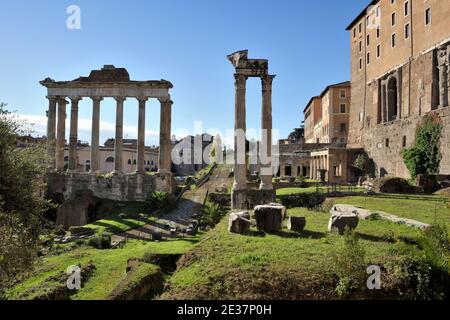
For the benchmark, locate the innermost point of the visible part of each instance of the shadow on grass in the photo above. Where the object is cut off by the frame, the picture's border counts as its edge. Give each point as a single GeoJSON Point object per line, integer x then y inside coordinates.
{"type": "Point", "coordinates": [305, 234]}
{"type": "Point", "coordinates": [430, 198]}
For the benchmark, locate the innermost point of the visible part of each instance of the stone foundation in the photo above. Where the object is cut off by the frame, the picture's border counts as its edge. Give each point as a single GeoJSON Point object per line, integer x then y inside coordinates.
{"type": "Point", "coordinates": [248, 199]}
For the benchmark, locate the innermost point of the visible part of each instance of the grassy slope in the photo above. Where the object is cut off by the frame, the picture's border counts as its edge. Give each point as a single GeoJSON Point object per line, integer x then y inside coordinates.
{"type": "Point", "coordinates": [110, 265]}
{"type": "Point", "coordinates": [421, 208]}
{"type": "Point", "coordinates": [283, 266]}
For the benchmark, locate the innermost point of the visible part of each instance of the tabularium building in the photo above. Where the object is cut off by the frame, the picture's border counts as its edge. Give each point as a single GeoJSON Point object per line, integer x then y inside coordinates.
{"type": "Point", "coordinates": [400, 53]}
{"type": "Point", "coordinates": [322, 154]}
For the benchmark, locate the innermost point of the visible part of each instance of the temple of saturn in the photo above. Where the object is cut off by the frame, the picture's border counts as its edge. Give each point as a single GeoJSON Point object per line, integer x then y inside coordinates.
{"type": "Point", "coordinates": [109, 82]}
{"type": "Point", "coordinates": [242, 196]}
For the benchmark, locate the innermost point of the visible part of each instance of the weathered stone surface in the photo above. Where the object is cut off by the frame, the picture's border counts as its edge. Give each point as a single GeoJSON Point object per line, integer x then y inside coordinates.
{"type": "Point", "coordinates": [239, 222]}
{"type": "Point", "coordinates": [283, 208]}
{"type": "Point", "coordinates": [269, 217]}
{"type": "Point", "coordinates": [341, 221]}
{"type": "Point", "coordinates": [296, 224]}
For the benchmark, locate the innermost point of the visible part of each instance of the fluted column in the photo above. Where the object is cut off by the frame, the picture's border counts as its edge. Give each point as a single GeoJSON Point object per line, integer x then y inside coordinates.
{"type": "Point", "coordinates": [51, 133]}
{"type": "Point", "coordinates": [165, 144]}
{"type": "Point", "coordinates": [266, 139]}
{"type": "Point", "coordinates": [61, 133]}
{"type": "Point", "coordinates": [73, 138]}
{"type": "Point", "coordinates": [141, 136]}
{"type": "Point", "coordinates": [95, 135]}
{"type": "Point", "coordinates": [240, 165]}
{"type": "Point", "coordinates": [118, 142]}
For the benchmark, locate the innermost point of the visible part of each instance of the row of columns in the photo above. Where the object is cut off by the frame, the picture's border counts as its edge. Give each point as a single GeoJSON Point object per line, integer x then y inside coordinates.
{"type": "Point", "coordinates": [318, 163]}
{"type": "Point", "coordinates": [240, 165]}
{"type": "Point", "coordinates": [56, 138]}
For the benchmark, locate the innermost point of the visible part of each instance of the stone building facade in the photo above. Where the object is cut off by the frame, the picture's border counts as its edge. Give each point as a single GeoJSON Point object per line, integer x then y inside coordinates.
{"type": "Point", "coordinates": [400, 53]}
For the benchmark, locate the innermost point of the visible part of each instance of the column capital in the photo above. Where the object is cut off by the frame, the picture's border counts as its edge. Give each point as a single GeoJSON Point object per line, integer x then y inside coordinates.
{"type": "Point", "coordinates": [240, 80]}
{"type": "Point", "coordinates": [96, 98]}
{"type": "Point", "coordinates": [120, 99]}
{"type": "Point", "coordinates": [75, 98]}
{"type": "Point", "coordinates": [142, 99]}
{"type": "Point", "coordinates": [62, 100]}
{"type": "Point", "coordinates": [165, 100]}
{"type": "Point", "coordinates": [266, 81]}
{"type": "Point", "coordinates": [52, 98]}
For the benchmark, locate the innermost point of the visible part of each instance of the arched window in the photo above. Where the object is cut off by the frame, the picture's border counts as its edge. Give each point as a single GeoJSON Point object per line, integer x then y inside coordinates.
{"type": "Point", "coordinates": [129, 162]}
{"type": "Point", "coordinates": [134, 161]}
{"type": "Point", "coordinates": [109, 159]}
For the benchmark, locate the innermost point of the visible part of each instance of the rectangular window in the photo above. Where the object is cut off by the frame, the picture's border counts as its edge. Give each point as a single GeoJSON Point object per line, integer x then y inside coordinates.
{"type": "Point", "coordinates": [360, 46]}
{"type": "Point", "coordinates": [343, 127]}
{"type": "Point", "coordinates": [378, 32]}
{"type": "Point", "coordinates": [342, 107]}
{"type": "Point", "coordinates": [427, 16]}
{"type": "Point", "coordinates": [378, 11]}
{"type": "Point", "coordinates": [406, 8]}
{"type": "Point", "coordinates": [368, 40]}
{"type": "Point", "coordinates": [393, 40]}
{"type": "Point", "coordinates": [392, 1]}
{"type": "Point", "coordinates": [393, 19]}
{"type": "Point", "coordinates": [360, 63]}
{"type": "Point", "coordinates": [378, 51]}
{"type": "Point", "coordinates": [354, 32]}
{"type": "Point", "coordinates": [368, 57]}
{"type": "Point", "coordinates": [360, 27]}
{"type": "Point", "coordinates": [404, 142]}
{"type": "Point", "coordinates": [407, 31]}
{"type": "Point", "coordinates": [387, 143]}
{"type": "Point", "coordinates": [342, 93]}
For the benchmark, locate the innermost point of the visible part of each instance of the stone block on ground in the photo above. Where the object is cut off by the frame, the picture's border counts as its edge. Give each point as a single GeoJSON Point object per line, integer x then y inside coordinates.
{"type": "Point", "coordinates": [283, 208]}
{"type": "Point", "coordinates": [340, 221]}
{"type": "Point", "coordinates": [296, 224]}
{"type": "Point", "coordinates": [269, 217]}
{"type": "Point", "coordinates": [239, 222]}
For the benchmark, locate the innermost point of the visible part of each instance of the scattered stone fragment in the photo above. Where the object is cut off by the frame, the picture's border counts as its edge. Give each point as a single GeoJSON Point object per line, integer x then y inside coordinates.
{"type": "Point", "coordinates": [296, 224]}
{"type": "Point", "coordinates": [239, 222]}
{"type": "Point", "coordinates": [269, 218]}
{"type": "Point", "coordinates": [341, 221]}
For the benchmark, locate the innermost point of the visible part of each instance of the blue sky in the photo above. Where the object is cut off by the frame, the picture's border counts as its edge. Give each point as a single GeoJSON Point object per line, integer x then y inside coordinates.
{"type": "Point", "coordinates": [185, 42]}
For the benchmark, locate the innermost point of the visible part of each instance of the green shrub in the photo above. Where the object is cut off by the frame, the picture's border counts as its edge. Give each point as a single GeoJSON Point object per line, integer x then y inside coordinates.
{"type": "Point", "coordinates": [300, 182]}
{"type": "Point", "coordinates": [305, 200]}
{"type": "Point", "coordinates": [327, 205]}
{"type": "Point", "coordinates": [159, 200]}
{"type": "Point", "coordinates": [349, 264]}
{"type": "Point", "coordinates": [425, 155]}
{"type": "Point", "coordinates": [101, 242]}
{"type": "Point", "coordinates": [212, 213]}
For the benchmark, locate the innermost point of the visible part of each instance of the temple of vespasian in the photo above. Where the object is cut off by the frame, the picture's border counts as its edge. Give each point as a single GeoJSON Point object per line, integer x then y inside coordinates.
{"type": "Point", "coordinates": [242, 196]}
{"type": "Point", "coordinates": [113, 83]}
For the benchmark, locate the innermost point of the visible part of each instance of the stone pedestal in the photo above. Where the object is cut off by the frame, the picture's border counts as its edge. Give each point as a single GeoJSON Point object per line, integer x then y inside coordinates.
{"type": "Point", "coordinates": [248, 199]}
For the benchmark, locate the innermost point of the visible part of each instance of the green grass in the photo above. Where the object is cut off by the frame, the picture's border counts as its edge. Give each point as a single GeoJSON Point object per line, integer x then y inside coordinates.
{"type": "Point", "coordinates": [425, 208]}
{"type": "Point", "coordinates": [136, 215]}
{"type": "Point", "coordinates": [285, 265]}
{"type": "Point", "coordinates": [294, 190]}
{"type": "Point", "coordinates": [110, 266]}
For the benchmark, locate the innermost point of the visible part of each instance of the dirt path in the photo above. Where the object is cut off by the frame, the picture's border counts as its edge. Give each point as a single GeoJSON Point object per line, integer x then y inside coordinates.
{"type": "Point", "coordinates": [180, 217]}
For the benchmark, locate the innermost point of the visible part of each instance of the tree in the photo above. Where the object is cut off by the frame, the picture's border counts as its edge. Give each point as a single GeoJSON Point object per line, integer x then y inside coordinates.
{"type": "Point", "coordinates": [364, 166]}
{"type": "Point", "coordinates": [297, 134]}
{"type": "Point", "coordinates": [424, 157]}
{"type": "Point", "coordinates": [21, 204]}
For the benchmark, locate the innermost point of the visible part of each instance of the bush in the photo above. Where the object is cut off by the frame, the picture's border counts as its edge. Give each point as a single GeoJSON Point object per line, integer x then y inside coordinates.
{"type": "Point", "coordinates": [425, 155]}
{"type": "Point", "coordinates": [101, 242]}
{"type": "Point", "coordinates": [300, 181]}
{"type": "Point", "coordinates": [349, 263]}
{"type": "Point", "coordinates": [305, 200]}
{"type": "Point", "coordinates": [327, 205]}
{"type": "Point", "coordinates": [159, 200]}
{"type": "Point", "coordinates": [212, 213]}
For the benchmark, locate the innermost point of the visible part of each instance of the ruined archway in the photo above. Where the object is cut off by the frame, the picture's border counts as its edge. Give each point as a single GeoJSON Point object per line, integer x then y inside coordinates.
{"type": "Point", "coordinates": [392, 102]}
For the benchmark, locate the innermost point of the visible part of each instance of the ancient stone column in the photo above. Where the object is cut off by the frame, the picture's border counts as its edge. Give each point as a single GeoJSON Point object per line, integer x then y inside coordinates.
{"type": "Point", "coordinates": [240, 165]}
{"type": "Point", "coordinates": [118, 143]}
{"type": "Point", "coordinates": [95, 135]}
{"type": "Point", "coordinates": [51, 133]}
{"type": "Point", "coordinates": [266, 139]}
{"type": "Point", "coordinates": [73, 139]}
{"type": "Point", "coordinates": [443, 90]}
{"type": "Point", "coordinates": [165, 144]}
{"type": "Point", "coordinates": [141, 136]}
{"type": "Point", "coordinates": [61, 133]}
